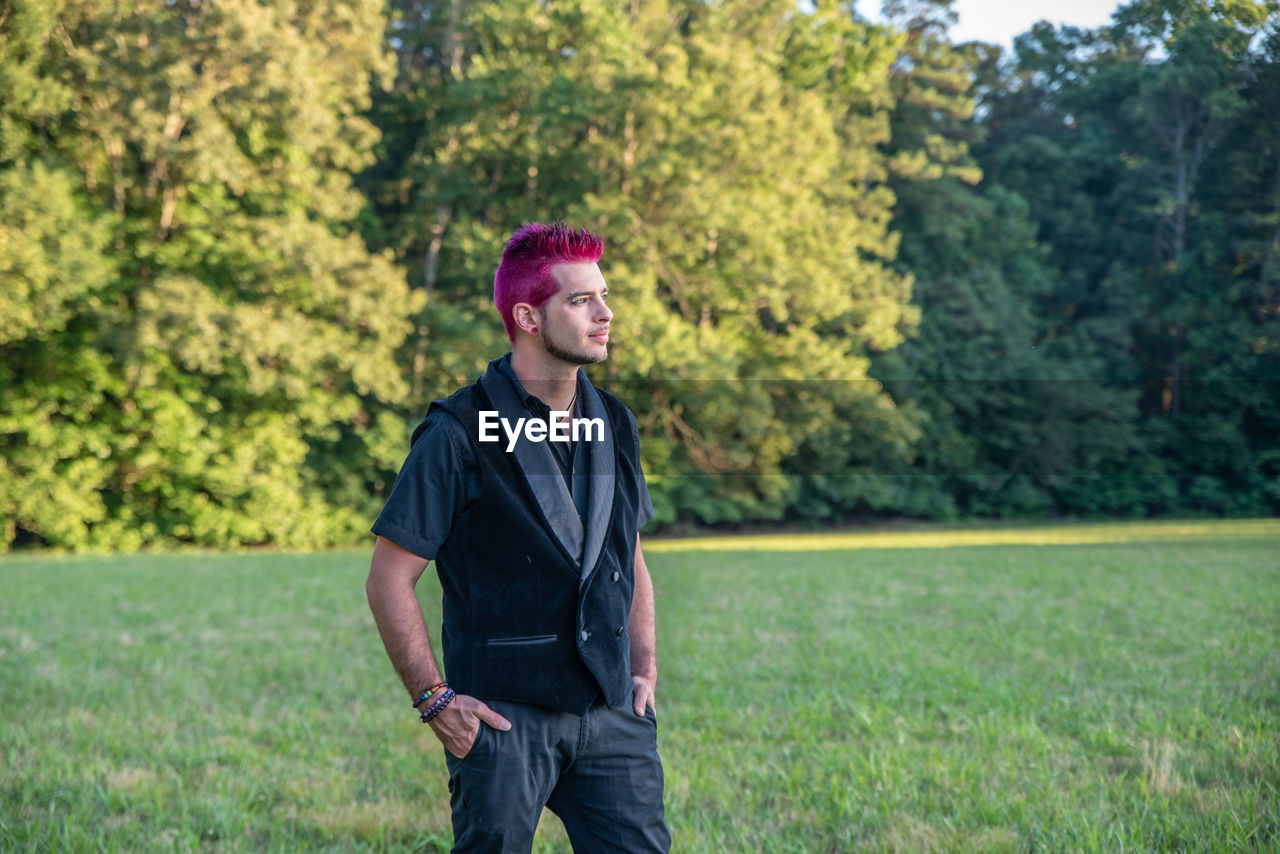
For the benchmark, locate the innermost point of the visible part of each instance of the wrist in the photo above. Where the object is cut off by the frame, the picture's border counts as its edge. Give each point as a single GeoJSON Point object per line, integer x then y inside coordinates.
{"type": "Point", "coordinates": [433, 691]}
{"type": "Point", "coordinates": [431, 709]}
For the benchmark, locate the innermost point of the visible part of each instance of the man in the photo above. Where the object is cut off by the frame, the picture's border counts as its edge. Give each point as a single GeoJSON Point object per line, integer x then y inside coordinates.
{"type": "Point", "coordinates": [548, 638]}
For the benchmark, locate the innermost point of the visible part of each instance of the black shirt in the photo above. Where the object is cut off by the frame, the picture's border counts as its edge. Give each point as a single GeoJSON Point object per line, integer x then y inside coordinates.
{"type": "Point", "coordinates": [441, 476]}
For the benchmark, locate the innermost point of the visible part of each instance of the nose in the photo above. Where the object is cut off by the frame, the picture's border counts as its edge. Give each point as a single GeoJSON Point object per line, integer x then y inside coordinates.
{"type": "Point", "coordinates": [603, 314]}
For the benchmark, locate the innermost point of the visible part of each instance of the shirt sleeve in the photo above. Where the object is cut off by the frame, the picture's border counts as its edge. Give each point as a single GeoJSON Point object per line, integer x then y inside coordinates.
{"type": "Point", "coordinates": [428, 494]}
{"type": "Point", "coordinates": [644, 506]}
{"type": "Point", "coordinates": [645, 511]}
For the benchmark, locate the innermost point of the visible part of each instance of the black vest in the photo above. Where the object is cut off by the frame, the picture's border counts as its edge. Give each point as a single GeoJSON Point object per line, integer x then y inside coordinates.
{"type": "Point", "coordinates": [522, 622]}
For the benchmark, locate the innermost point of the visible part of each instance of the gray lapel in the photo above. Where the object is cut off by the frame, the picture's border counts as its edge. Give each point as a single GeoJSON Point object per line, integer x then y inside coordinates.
{"type": "Point", "coordinates": [538, 467]}
{"type": "Point", "coordinates": [602, 475]}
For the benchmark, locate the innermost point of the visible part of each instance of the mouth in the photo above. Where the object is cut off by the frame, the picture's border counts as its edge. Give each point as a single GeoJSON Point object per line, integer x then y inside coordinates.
{"type": "Point", "coordinates": [601, 337]}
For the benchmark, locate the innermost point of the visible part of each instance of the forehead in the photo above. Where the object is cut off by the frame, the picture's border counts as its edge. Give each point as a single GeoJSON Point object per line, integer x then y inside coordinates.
{"type": "Point", "coordinates": [578, 276]}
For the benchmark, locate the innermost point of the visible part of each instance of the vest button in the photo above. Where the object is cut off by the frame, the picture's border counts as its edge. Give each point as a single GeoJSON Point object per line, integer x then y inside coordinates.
{"type": "Point", "coordinates": [616, 575]}
{"type": "Point", "coordinates": [585, 634]}
{"type": "Point", "coordinates": [621, 630]}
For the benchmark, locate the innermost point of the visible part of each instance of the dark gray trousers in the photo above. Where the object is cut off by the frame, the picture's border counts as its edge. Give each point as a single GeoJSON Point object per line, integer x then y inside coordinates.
{"type": "Point", "coordinates": [598, 772]}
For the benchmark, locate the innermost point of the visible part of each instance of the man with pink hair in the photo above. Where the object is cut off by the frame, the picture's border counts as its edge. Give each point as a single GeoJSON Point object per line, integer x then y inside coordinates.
{"type": "Point", "coordinates": [548, 633]}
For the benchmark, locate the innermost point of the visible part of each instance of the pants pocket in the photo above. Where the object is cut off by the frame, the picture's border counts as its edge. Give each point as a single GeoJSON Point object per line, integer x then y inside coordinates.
{"type": "Point", "coordinates": [479, 748]}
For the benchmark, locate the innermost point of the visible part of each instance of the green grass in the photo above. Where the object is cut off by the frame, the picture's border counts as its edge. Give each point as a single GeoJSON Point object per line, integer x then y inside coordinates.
{"type": "Point", "coordinates": [1091, 687]}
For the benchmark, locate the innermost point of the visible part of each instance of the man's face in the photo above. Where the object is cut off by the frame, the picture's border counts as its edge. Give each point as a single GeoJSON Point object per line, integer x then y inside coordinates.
{"type": "Point", "coordinates": [576, 320]}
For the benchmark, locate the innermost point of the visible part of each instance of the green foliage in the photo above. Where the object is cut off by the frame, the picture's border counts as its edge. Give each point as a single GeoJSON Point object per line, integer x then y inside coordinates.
{"type": "Point", "coordinates": [1093, 339]}
{"type": "Point", "coordinates": [739, 191]}
{"type": "Point", "coordinates": [194, 338]}
{"type": "Point", "coordinates": [858, 269]}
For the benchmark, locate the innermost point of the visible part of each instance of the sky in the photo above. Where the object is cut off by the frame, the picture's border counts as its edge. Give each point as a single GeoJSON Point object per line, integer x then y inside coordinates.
{"type": "Point", "coordinates": [1000, 20]}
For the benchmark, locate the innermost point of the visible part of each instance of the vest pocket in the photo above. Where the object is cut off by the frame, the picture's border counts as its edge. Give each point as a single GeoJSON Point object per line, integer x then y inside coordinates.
{"type": "Point", "coordinates": [518, 641]}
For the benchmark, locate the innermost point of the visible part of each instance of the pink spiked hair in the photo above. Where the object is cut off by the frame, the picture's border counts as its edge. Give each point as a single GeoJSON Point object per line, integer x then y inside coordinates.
{"type": "Point", "coordinates": [525, 272]}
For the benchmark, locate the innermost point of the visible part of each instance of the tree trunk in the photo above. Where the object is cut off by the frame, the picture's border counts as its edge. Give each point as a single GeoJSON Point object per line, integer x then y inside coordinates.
{"type": "Point", "coordinates": [444, 213]}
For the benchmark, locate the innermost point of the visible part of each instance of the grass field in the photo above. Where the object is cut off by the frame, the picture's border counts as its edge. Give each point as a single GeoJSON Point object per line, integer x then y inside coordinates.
{"type": "Point", "coordinates": [1086, 687]}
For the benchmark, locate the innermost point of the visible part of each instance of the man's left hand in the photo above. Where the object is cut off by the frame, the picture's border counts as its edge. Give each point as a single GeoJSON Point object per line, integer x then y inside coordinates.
{"type": "Point", "coordinates": [643, 693]}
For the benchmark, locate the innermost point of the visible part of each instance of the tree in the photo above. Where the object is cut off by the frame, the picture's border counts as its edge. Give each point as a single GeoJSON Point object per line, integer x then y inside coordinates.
{"type": "Point", "coordinates": [212, 350]}
{"type": "Point", "coordinates": [1126, 142]}
{"type": "Point", "coordinates": [740, 192]}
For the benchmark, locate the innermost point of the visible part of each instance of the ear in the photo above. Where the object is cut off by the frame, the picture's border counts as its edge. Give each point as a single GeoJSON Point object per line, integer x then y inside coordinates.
{"type": "Point", "coordinates": [527, 317]}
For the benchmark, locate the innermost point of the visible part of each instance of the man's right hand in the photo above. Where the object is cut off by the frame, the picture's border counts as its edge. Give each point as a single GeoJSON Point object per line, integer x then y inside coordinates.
{"type": "Point", "coordinates": [459, 723]}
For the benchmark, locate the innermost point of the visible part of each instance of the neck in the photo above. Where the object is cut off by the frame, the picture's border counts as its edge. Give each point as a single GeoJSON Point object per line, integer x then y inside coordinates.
{"type": "Point", "coordinates": [551, 380]}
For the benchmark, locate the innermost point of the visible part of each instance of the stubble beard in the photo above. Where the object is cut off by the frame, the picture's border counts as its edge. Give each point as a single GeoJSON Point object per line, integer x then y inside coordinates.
{"type": "Point", "coordinates": [568, 356]}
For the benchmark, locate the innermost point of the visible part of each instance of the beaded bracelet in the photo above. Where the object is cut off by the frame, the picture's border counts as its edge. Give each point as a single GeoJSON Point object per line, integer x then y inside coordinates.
{"type": "Point", "coordinates": [438, 706]}
{"type": "Point", "coordinates": [434, 688]}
